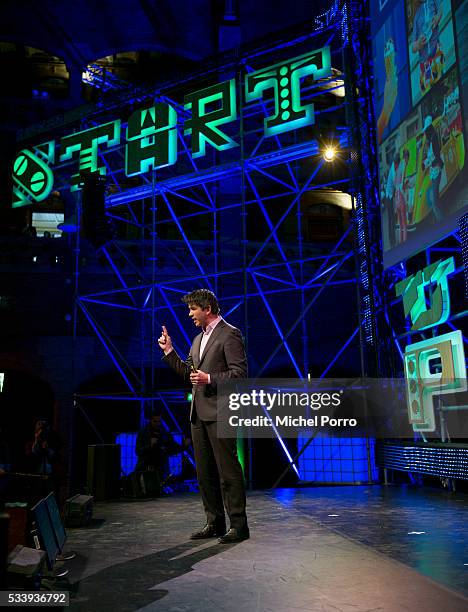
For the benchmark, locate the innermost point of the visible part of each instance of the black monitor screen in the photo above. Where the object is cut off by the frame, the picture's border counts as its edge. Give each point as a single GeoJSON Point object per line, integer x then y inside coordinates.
{"type": "Point", "coordinates": [56, 520]}
{"type": "Point", "coordinates": [45, 531]}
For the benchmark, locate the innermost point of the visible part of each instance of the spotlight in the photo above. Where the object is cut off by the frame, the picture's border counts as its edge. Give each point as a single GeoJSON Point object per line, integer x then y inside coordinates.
{"type": "Point", "coordinates": [329, 154]}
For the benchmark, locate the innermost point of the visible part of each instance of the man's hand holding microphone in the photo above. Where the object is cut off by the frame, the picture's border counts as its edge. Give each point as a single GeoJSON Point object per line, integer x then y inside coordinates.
{"type": "Point", "coordinates": [197, 377]}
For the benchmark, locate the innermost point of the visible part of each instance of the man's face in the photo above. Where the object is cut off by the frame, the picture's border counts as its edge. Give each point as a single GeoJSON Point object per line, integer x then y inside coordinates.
{"type": "Point", "coordinates": [199, 315]}
{"type": "Point", "coordinates": [41, 426]}
{"type": "Point", "coordinates": [155, 422]}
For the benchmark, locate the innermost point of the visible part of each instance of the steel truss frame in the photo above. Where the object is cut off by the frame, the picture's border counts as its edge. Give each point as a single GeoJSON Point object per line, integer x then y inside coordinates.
{"type": "Point", "coordinates": [192, 227]}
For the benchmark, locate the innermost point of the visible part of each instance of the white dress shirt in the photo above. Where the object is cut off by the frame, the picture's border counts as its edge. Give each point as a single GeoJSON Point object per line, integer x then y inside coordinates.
{"type": "Point", "coordinates": [207, 333]}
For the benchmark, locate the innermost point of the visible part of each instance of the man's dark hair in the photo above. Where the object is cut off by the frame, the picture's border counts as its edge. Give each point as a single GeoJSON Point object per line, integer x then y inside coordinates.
{"type": "Point", "coordinates": [202, 298]}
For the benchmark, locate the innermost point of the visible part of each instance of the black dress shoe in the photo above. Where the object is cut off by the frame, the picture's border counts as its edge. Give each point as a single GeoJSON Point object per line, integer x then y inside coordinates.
{"type": "Point", "coordinates": [235, 535]}
{"type": "Point", "coordinates": [208, 531]}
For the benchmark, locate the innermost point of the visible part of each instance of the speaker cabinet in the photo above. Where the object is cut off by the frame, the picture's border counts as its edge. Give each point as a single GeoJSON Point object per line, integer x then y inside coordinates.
{"type": "Point", "coordinates": [103, 477]}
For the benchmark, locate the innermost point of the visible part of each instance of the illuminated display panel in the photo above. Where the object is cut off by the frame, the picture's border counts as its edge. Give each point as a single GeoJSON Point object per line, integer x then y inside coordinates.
{"type": "Point", "coordinates": [421, 90]}
{"type": "Point", "coordinates": [47, 222]}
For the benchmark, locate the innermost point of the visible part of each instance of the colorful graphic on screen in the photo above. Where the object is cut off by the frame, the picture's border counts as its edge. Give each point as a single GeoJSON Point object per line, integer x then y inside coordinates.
{"type": "Point", "coordinates": [421, 144]}
{"type": "Point", "coordinates": [391, 73]}
{"type": "Point", "coordinates": [461, 20]}
{"type": "Point", "coordinates": [431, 43]}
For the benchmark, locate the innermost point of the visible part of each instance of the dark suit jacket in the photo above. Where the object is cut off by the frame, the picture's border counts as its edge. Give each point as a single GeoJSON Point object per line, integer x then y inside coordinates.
{"type": "Point", "coordinates": [223, 358]}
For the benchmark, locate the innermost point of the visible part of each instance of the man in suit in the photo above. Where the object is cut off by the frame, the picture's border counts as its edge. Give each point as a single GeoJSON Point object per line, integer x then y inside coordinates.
{"type": "Point", "coordinates": [219, 351]}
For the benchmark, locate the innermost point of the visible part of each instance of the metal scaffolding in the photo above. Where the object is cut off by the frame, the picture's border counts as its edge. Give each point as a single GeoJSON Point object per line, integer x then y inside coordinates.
{"type": "Point", "coordinates": [268, 225]}
{"type": "Point", "coordinates": [288, 240]}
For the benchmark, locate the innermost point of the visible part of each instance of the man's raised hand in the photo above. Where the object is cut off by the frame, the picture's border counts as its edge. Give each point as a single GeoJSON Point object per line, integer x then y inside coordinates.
{"type": "Point", "coordinates": [165, 341]}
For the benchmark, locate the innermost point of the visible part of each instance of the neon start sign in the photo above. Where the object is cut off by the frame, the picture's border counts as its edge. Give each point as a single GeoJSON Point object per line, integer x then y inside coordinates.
{"type": "Point", "coordinates": [151, 133]}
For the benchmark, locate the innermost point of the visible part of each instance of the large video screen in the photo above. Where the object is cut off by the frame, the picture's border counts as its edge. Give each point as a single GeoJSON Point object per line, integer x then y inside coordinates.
{"type": "Point", "coordinates": [420, 50]}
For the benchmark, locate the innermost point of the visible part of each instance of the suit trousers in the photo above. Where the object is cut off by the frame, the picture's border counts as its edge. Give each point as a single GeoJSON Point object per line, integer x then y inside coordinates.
{"type": "Point", "coordinates": [219, 474]}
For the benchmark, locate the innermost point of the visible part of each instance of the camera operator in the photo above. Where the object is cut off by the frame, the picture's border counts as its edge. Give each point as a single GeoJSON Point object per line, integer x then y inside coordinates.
{"type": "Point", "coordinates": [153, 447]}
{"type": "Point", "coordinates": [42, 453]}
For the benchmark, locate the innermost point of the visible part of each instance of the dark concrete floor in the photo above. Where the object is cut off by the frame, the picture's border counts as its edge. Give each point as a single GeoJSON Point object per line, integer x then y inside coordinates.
{"type": "Point", "coordinates": [389, 518]}
{"type": "Point", "coordinates": [300, 556]}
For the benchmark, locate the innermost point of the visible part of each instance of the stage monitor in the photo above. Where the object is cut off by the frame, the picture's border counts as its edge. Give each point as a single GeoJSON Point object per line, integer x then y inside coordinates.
{"type": "Point", "coordinates": [56, 521]}
{"type": "Point", "coordinates": [420, 52]}
{"type": "Point", "coordinates": [45, 532]}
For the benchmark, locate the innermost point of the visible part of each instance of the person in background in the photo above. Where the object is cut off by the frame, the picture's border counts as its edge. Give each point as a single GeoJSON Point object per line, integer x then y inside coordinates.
{"type": "Point", "coordinates": [154, 445]}
{"type": "Point", "coordinates": [433, 164]}
{"type": "Point", "coordinates": [43, 452]}
{"type": "Point", "coordinates": [5, 460]}
{"type": "Point", "coordinates": [401, 207]}
{"type": "Point", "coordinates": [390, 192]}
{"type": "Point", "coordinates": [408, 185]}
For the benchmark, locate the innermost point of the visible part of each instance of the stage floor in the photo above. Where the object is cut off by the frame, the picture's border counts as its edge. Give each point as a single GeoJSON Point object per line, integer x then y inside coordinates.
{"type": "Point", "coordinates": [327, 549]}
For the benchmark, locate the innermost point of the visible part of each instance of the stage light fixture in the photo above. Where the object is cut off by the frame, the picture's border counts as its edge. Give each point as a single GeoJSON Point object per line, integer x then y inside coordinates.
{"type": "Point", "coordinates": [329, 153]}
